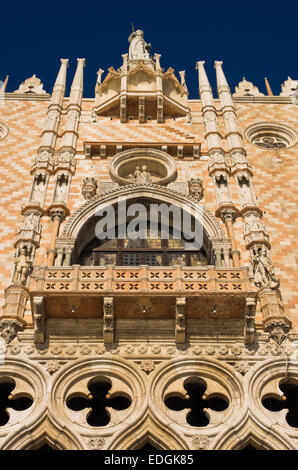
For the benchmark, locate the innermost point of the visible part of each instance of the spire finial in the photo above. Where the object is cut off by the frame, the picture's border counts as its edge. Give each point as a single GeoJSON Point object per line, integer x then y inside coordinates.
{"type": "Point", "coordinates": [268, 88]}
{"type": "Point", "coordinates": [3, 86]}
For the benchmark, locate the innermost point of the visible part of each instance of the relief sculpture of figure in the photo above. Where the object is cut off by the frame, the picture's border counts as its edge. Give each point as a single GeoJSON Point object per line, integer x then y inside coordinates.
{"type": "Point", "coordinates": [264, 275]}
{"type": "Point", "coordinates": [23, 266]}
{"type": "Point", "coordinates": [140, 176]}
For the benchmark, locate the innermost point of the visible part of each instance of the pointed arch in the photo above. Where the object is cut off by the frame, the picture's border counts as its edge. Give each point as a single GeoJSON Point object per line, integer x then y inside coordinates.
{"type": "Point", "coordinates": [134, 191]}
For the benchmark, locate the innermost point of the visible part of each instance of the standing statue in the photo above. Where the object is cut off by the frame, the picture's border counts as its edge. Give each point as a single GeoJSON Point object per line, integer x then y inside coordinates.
{"type": "Point", "coordinates": [138, 48]}
{"type": "Point", "coordinates": [264, 275]}
{"type": "Point", "coordinates": [23, 265]}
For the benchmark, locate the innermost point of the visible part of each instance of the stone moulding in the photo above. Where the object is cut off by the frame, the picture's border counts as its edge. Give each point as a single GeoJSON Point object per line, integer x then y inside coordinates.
{"type": "Point", "coordinates": [131, 191]}
{"type": "Point", "coordinates": [157, 161]}
{"type": "Point", "coordinates": [271, 129]}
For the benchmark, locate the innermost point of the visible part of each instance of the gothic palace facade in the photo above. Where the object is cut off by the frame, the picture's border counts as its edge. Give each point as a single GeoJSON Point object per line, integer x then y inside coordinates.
{"type": "Point", "coordinates": [121, 343]}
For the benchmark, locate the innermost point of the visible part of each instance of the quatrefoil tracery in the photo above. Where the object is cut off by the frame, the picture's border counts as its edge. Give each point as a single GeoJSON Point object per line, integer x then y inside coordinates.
{"type": "Point", "coordinates": [98, 403]}
{"type": "Point", "coordinates": [288, 401]}
{"type": "Point", "coordinates": [197, 403]}
{"type": "Point", "coordinates": [8, 401]}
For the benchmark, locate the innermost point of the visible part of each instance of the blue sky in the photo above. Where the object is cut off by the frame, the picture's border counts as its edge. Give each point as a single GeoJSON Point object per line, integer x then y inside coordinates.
{"type": "Point", "coordinates": [254, 39]}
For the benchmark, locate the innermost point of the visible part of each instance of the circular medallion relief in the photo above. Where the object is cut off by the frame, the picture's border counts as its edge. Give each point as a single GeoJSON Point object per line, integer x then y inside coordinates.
{"type": "Point", "coordinates": [143, 166]}
{"type": "Point", "coordinates": [3, 131]}
{"type": "Point", "coordinates": [271, 135]}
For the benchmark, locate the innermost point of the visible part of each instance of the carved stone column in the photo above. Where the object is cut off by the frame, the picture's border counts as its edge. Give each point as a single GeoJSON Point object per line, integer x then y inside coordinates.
{"type": "Point", "coordinates": [142, 116]}
{"type": "Point", "coordinates": [274, 320]}
{"type": "Point", "coordinates": [12, 318]}
{"type": "Point", "coordinates": [228, 217]}
{"type": "Point", "coordinates": [57, 215]}
{"type": "Point", "coordinates": [108, 320]}
{"type": "Point", "coordinates": [38, 312]}
{"type": "Point", "coordinates": [249, 326]}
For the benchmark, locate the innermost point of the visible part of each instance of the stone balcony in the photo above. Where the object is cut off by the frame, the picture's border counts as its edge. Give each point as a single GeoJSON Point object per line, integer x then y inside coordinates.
{"type": "Point", "coordinates": [139, 290]}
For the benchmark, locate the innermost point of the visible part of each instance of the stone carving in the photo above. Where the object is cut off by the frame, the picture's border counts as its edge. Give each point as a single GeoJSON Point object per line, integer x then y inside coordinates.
{"type": "Point", "coordinates": [89, 187]}
{"type": "Point", "coordinates": [264, 275]}
{"type": "Point", "coordinates": [43, 159]}
{"type": "Point", "coordinates": [253, 223]}
{"type": "Point", "coordinates": [32, 222]}
{"type": "Point", "coordinates": [31, 85]}
{"type": "Point", "coordinates": [29, 349]}
{"type": "Point", "coordinates": [180, 320]}
{"type": "Point", "coordinates": [143, 349]}
{"type": "Point", "coordinates": [140, 175]}
{"type": "Point", "coordinates": [61, 187]}
{"type": "Point", "coordinates": [289, 87]}
{"type": "Point", "coordinates": [245, 189]}
{"type": "Point", "coordinates": [195, 188]}
{"type": "Point", "coordinates": [38, 316]}
{"type": "Point", "coordinates": [249, 327]}
{"type": "Point", "coordinates": [219, 233]}
{"type": "Point", "coordinates": [197, 350]}
{"type": "Point", "coordinates": [222, 186]}
{"type": "Point", "coordinates": [108, 319]}
{"type": "Point", "coordinates": [278, 330]}
{"type": "Point", "coordinates": [85, 350]}
{"type": "Point", "coordinates": [65, 160]}
{"type": "Point", "coordinates": [38, 188]}
{"type": "Point", "coordinates": [52, 367]}
{"type": "Point", "coordinates": [200, 443]}
{"type": "Point", "coordinates": [239, 159]}
{"type": "Point", "coordinates": [129, 349]}
{"type": "Point", "coordinates": [242, 367]}
{"type": "Point", "coordinates": [95, 443]}
{"type": "Point", "coordinates": [246, 88]}
{"type": "Point", "coordinates": [138, 48]}
{"type": "Point", "coordinates": [9, 329]}
{"type": "Point", "coordinates": [147, 366]}
{"type": "Point", "coordinates": [23, 265]}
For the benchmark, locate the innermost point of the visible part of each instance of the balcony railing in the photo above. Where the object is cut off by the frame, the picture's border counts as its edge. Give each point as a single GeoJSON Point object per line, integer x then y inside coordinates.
{"type": "Point", "coordinates": [139, 280]}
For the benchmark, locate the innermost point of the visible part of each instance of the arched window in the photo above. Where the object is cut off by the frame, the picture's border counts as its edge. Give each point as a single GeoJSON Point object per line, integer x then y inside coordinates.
{"type": "Point", "coordinates": [150, 251]}
{"type": "Point", "coordinates": [168, 240]}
